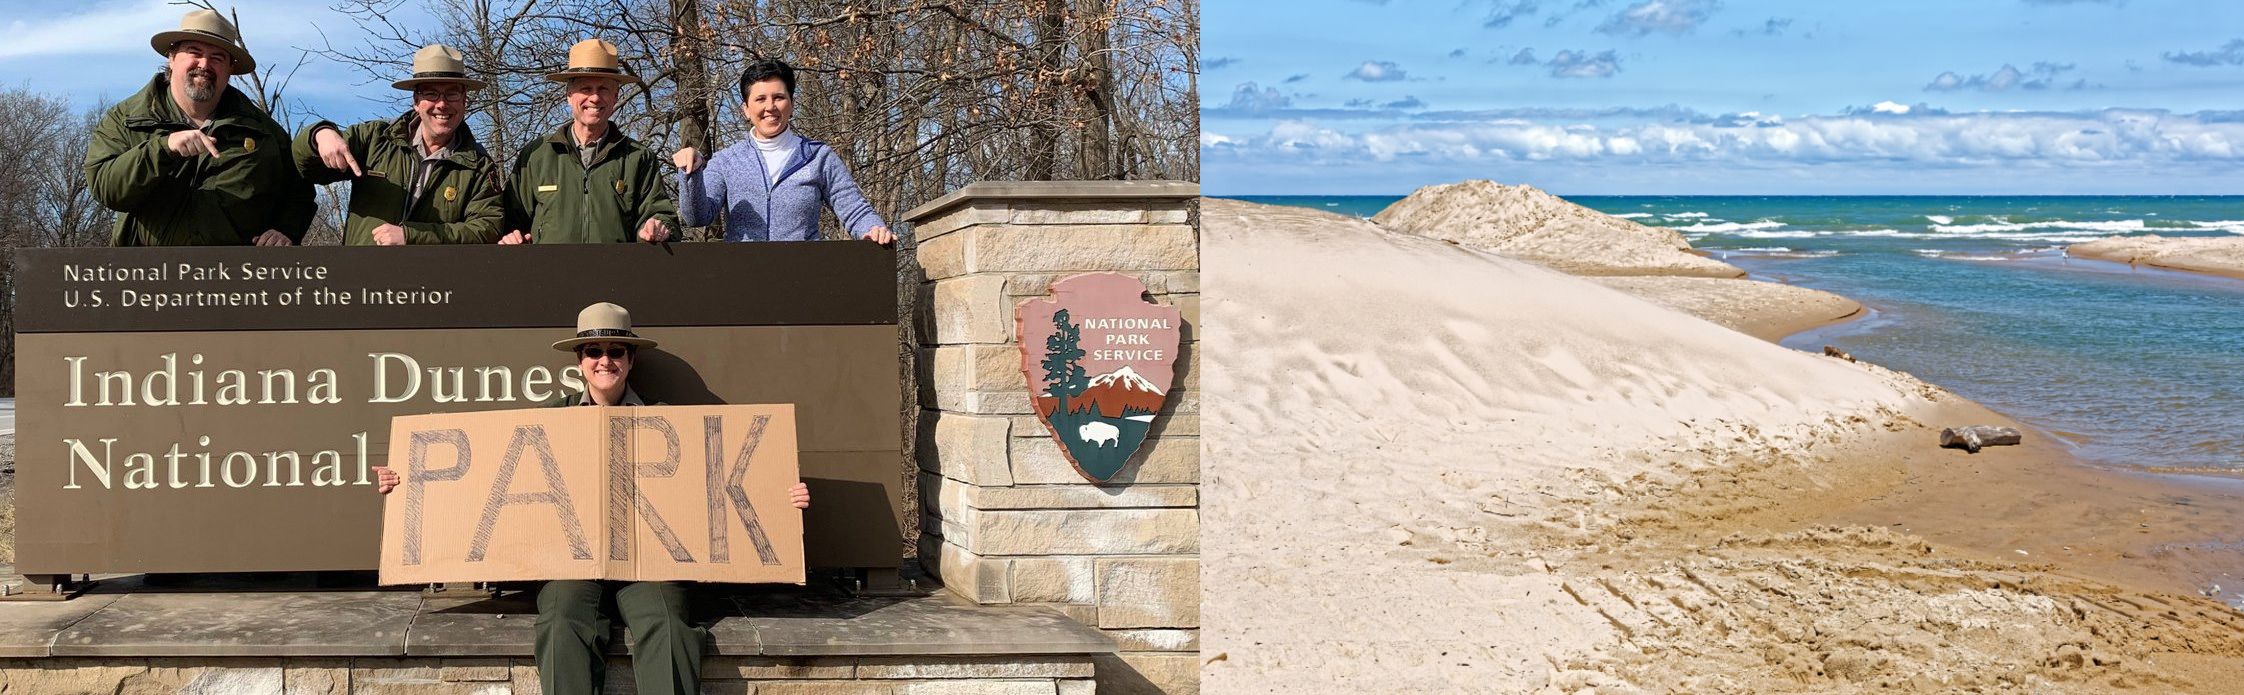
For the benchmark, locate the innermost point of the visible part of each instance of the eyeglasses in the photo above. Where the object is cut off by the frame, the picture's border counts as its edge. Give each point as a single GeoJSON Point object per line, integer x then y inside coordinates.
{"type": "Point", "coordinates": [593, 352]}
{"type": "Point", "coordinates": [456, 97]}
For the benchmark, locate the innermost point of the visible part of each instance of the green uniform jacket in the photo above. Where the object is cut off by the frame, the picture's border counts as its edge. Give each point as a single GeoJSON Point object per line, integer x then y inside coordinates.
{"type": "Point", "coordinates": [163, 199]}
{"type": "Point", "coordinates": [558, 201]}
{"type": "Point", "coordinates": [630, 397]}
{"type": "Point", "coordinates": [460, 205]}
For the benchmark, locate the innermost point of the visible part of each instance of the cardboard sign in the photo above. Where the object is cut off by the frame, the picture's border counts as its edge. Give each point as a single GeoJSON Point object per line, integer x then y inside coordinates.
{"type": "Point", "coordinates": [692, 493]}
{"type": "Point", "coordinates": [1099, 361]}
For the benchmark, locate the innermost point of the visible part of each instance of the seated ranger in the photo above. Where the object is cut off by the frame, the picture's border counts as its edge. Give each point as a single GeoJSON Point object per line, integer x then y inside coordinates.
{"type": "Point", "coordinates": [573, 615]}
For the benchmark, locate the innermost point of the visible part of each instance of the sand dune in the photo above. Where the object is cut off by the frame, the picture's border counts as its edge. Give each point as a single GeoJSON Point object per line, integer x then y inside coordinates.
{"type": "Point", "coordinates": [2217, 255]}
{"type": "Point", "coordinates": [1649, 262]}
{"type": "Point", "coordinates": [1439, 469]}
{"type": "Point", "coordinates": [1526, 223]}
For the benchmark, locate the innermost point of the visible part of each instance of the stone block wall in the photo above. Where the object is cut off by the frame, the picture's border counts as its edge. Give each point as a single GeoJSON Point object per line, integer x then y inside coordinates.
{"type": "Point", "coordinates": [1006, 518]}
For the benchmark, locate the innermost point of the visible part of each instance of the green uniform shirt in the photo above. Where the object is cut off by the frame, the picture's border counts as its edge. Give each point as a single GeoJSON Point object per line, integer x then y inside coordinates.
{"type": "Point", "coordinates": [559, 200]}
{"type": "Point", "coordinates": [460, 204]}
{"type": "Point", "coordinates": [163, 199]}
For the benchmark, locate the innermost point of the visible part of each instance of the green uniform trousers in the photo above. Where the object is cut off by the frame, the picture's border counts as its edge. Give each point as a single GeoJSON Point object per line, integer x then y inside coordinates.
{"type": "Point", "coordinates": [572, 636]}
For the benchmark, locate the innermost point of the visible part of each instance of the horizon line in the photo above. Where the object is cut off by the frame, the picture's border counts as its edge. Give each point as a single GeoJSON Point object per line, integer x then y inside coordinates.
{"type": "Point", "coordinates": [1762, 195]}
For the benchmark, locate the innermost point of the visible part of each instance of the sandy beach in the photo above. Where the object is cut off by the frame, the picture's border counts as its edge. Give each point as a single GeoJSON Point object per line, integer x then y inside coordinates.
{"type": "Point", "coordinates": [2217, 255]}
{"type": "Point", "coordinates": [1438, 466]}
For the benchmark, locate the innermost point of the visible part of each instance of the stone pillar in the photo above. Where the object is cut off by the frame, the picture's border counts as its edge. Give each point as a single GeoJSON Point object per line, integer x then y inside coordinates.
{"type": "Point", "coordinates": [1006, 519]}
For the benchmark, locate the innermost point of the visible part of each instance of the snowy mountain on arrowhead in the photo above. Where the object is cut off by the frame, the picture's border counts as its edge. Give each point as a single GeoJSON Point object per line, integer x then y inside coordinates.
{"type": "Point", "coordinates": [1126, 379]}
{"type": "Point", "coordinates": [1116, 394]}
{"type": "Point", "coordinates": [1121, 393]}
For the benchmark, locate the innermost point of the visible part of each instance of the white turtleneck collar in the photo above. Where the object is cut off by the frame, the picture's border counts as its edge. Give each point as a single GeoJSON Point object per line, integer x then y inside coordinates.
{"type": "Point", "coordinates": [776, 151]}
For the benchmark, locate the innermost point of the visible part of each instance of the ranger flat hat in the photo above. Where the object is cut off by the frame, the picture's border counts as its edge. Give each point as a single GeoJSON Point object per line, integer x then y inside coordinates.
{"type": "Point", "coordinates": [208, 27]}
{"type": "Point", "coordinates": [594, 58]}
{"type": "Point", "coordinates": [603, 323]}
{"type": "Point", "coordinates": [437, 62]}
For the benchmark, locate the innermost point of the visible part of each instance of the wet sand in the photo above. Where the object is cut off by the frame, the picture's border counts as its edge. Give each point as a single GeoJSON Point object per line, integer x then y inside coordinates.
{"type": "Point", "coordinates": [2223, 256]}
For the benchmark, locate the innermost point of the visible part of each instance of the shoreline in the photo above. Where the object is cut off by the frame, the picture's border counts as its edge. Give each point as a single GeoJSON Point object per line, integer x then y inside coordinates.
{"type": "Point", "coordinates": [1577, 487]}
{"type": "Point", "coordinates": [2043, 469]}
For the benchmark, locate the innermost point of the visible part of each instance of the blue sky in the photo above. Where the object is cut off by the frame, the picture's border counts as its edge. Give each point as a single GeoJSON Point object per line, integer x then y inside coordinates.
{"type": "Point", "coordinates": [1724, 96]}
{"type": "Point", "coordinates": [97, 52]}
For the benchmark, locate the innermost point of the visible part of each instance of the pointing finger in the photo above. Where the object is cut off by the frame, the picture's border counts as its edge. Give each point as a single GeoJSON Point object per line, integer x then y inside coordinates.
{"type": "Point", "coordinates": [353, 161]}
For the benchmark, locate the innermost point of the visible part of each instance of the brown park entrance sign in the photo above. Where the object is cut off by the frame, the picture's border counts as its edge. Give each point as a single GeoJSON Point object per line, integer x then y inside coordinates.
{"type": "Point", "coordinates": [219, 409]}
{"type": "Point", "coordinates": [1099, 361]}
{"type": "Point", "coordinates": [658, 493]}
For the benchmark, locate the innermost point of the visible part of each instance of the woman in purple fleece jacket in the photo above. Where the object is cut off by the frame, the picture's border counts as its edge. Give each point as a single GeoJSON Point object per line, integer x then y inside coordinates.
{"type": "Point", "coordinates": [770, 187]}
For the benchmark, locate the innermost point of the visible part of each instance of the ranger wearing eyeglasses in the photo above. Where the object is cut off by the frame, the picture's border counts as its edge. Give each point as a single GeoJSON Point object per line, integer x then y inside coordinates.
{"type": "Point", "coordinates": [572, 633]}
{"type": "Point", "coordinates": [420, 178]}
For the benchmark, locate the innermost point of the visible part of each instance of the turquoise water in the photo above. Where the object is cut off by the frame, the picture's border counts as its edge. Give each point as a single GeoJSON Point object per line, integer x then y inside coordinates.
{"type": "Point", "coordinates": [2135, 367]}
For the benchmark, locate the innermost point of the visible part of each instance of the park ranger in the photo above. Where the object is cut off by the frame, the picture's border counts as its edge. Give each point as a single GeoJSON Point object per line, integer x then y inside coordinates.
{"type": "Point", "coordinates": [420, 178]}
{"type": "Point", "coordinates": [572, 630]}
{"type": "Point", "coordinates": [191, 161]}
{"type": "Point", "coordinates": [588, 182]}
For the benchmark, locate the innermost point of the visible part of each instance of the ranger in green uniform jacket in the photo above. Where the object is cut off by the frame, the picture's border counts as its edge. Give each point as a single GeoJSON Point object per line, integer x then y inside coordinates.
{"type": "Point", "coordinates": [558, 199]}
{"type": "Point", "coordinates": [588, 182]}
{"type": "Point", "coordinates": [445, 193]}
{"type": "Point", "coordinates": [164, 199]}
{"type": "Point", "coordinates": [459, 204]}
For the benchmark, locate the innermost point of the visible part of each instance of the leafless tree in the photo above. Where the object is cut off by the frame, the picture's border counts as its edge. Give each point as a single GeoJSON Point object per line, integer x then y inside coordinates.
{"type": "Point", "coordinates": [45, 200]}
{"type": "Point", "coordinates": [919, 97]}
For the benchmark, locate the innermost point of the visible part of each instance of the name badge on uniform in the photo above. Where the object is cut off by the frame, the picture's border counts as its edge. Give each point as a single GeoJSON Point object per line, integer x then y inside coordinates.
{"type": "Point", "coordinates": [548, 188]}
{"type": "Point", "coordinates": [619, 187]}
{"type": "Point", "coordinates": [451, 194]}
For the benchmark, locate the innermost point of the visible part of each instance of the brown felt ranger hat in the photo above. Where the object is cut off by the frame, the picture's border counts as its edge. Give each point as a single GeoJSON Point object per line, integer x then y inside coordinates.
{"type": "Point", "coordinates": [206, 26]}
{"type": "Point", "coordinates": [438, 63]}
{"type": "Point", "coordinates": [603, 323]}
{"type": "Point", "coordinates": [594, 58]}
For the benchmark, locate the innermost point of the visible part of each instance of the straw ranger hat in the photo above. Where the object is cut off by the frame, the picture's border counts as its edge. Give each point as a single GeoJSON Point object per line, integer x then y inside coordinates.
{"type": "Point", "coordinates": [603, 323]}
{"type": "Point", "coordinates": [594, 58]}
{"type": "Point", "coordinates": [436, 63]}
{"type": "Point", "coordinates": [208, 27]}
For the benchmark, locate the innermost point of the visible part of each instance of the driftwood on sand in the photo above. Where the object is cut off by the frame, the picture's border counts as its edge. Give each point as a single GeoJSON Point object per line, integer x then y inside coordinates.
{"type": "Point", "coordinates": [1972, 438]}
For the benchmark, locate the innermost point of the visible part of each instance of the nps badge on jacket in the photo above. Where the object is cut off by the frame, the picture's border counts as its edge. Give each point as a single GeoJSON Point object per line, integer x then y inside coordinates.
{"type": "Point", "coordinates": [1099, 361]}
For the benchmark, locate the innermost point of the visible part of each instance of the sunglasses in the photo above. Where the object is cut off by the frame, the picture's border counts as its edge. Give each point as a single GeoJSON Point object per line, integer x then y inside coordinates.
{"type": "Point", "coordinates": [613, 352]}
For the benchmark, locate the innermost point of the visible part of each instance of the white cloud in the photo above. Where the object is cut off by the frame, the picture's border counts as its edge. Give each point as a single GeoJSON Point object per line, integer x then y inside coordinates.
{"type": "Point", "coordinates": [1377, 71]}
{"type": "Point", "coordinates": [1252, 98]}
{"type": "Point", "coordinates": [2040, 76]}
{"type": "Point", "coordinates": [100, 29]}
{"type": "Point", "coordinates": [2231, 53]}
{"type": "Point", "coordinates": [1581, 64]}
{"type": "Point", "coordinates": [1672, 17]}
{"type": "Point", "coordinates": [124, 28]}
{"type": "Point", "coordinates": [1886, 137]}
